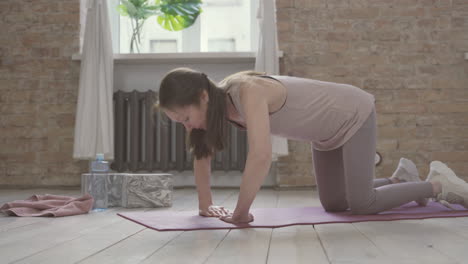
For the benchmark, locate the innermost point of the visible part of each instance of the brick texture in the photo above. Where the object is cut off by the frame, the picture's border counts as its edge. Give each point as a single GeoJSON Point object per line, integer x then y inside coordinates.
{"type": "Point", "coordinates": [38, 92]}
{"type": "Point", "coordinates": [409, 54]}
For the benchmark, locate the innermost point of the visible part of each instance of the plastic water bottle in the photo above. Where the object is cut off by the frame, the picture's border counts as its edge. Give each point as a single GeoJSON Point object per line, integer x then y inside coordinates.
{"type": "Point", "coordinates": [96, 183]}
{"type": "Point", "coordinates": [99, 165]}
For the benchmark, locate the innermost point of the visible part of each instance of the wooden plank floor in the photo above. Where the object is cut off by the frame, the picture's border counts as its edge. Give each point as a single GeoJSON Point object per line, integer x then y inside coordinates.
{"type": "Point", "coordinates": [104, 237]}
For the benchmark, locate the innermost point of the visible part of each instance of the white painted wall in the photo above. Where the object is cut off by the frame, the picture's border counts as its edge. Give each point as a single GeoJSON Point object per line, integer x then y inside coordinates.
{"type": "Point", "coordinates": [147, 76]}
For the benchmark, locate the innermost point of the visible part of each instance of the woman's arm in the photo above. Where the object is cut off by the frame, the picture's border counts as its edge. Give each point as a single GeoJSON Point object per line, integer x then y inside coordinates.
{"type": "Point", "coordinates": [258, 163]}
{"type": "Point", "coordinates": [202, 170]}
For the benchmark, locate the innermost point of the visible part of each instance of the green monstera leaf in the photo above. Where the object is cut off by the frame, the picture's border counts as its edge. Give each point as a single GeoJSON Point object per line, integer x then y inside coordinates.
{"type": "Point", "coordinates": [178, 14]}
{"type": "Point", "coordinates": [172, 15]}
{"type": "Point", "coordinates": [137, 9]}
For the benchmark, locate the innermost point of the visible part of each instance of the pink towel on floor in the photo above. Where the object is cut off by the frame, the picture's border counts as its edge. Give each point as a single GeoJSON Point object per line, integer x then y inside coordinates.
{"type": "Point", "coordinates": [49, 205]}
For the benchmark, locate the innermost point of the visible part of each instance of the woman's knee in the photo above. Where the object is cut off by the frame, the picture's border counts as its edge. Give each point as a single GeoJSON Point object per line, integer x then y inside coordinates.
{"type": "Point", "coordinates": [363, 203]}
{"type": "Point", "coordinates": [335, 206]}
{"type": "Point", "coordinates": [362, 209]}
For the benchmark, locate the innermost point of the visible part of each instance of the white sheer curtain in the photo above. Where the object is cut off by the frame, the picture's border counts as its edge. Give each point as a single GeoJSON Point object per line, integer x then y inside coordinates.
{"type": "Point", "coordinates": [267, 59]}
{"type": "Point", "coordinates": [94, 124]}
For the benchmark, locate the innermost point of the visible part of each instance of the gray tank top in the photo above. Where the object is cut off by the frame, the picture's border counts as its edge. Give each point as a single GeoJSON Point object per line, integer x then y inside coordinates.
{"type": "Point", "coordinates": [324, 113]}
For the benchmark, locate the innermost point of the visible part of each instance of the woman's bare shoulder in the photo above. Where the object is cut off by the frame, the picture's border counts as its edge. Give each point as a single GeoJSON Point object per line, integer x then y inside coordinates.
{"type": "Point", "coordinates": [258, 85]}
{"type": "Point", "coordinates": [248, 85]}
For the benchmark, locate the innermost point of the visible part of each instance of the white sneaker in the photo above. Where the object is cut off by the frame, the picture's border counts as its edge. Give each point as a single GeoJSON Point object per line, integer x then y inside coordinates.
{"type": "Point", "coordinates": [454, 189]}
{"type": "Point", "coordinates": [407, 172]}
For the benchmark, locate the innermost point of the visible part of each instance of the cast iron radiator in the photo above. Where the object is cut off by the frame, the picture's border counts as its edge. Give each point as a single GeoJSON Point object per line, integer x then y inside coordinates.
{"type": "Point", "coordinates": [147, 142]}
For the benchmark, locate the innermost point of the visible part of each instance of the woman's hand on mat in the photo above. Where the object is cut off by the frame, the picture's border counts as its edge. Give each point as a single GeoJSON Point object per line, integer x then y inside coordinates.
{"type": "Point", "coordinates": [231, 218]}
{"type": "Point", "coordinates": [214, 211]}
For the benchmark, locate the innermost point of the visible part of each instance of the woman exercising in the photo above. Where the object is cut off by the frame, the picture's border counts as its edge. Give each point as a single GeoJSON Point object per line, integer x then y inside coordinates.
{"type": "Point", "coordinates": [338, 119]}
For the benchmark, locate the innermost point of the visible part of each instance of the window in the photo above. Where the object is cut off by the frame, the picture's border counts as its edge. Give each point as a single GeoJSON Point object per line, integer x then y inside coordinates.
{"type": "Point", "coordinates": [222, 45]}
{"type": "Point", "coordinates": [163, 46]}
{"type": "Point", "coordinates": [223, 26]}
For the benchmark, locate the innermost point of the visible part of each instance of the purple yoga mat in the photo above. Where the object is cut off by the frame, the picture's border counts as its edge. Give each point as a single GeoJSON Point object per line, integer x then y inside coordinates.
{"type": "Point", "coordinates": [281, 217]}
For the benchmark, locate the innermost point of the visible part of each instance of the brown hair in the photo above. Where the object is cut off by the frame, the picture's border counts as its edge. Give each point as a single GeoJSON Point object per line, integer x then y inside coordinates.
{"type": "Point", "coordinates": [183, 87]}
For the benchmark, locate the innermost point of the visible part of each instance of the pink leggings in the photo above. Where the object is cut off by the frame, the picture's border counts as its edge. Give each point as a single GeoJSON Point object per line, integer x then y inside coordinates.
{"type": "Point", "coordinates": [345, 177]}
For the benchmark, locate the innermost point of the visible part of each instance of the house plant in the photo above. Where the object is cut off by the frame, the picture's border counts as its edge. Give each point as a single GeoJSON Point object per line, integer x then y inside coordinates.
{"type": "Point", "coordinates": [172, 15]}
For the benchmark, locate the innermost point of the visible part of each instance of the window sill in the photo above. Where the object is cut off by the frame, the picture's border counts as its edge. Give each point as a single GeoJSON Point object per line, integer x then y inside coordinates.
{"type": "Point", "coordinates": [186, 57]}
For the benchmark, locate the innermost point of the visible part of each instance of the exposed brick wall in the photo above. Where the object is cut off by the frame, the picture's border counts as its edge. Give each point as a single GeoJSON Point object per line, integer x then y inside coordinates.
{"type": "Point", "coordinates": [38, 92]}
{"type": "Point", "coordinates": [409, 54]}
